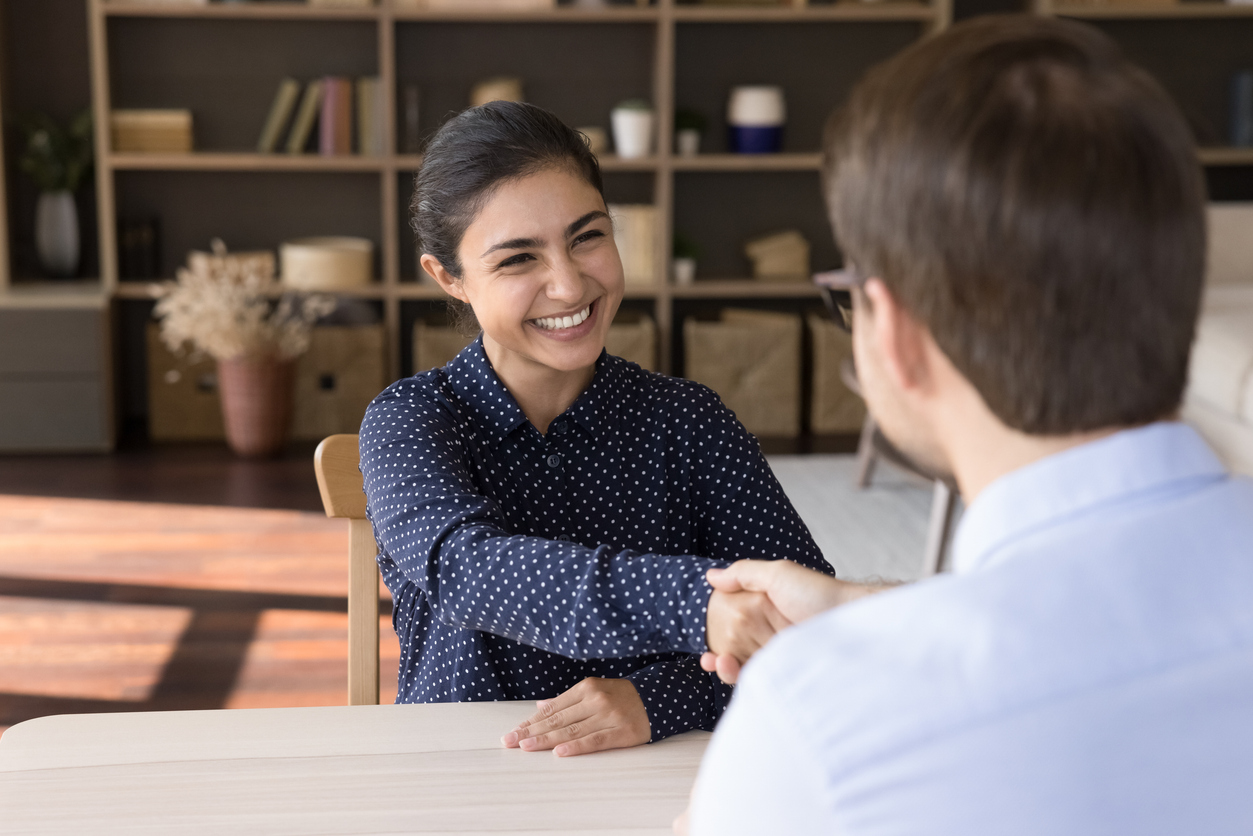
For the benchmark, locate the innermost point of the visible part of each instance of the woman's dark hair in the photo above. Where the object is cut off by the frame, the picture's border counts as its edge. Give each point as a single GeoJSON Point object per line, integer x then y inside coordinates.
{"type": "Point", "coordinates": [1035, 199]}
{"type": "Point", "coordinates": [473, 154]}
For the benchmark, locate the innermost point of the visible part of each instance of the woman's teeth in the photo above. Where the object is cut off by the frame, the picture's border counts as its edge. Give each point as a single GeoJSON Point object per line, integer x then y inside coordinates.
{"type": "Point", "coordinates": [552, 323]}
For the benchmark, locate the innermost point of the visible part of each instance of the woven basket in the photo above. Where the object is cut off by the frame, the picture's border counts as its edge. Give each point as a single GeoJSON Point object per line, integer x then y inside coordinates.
{"type": "Point", "coordinates": [256, 404]}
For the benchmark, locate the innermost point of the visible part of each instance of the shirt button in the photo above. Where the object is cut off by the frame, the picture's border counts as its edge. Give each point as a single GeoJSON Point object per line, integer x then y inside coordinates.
{"type": "Point", "coordinates": [564, 537]}
{"type": "Point", "coordinates": [554, 460]}
{"type": "Point", "coordinates": [559, 427]}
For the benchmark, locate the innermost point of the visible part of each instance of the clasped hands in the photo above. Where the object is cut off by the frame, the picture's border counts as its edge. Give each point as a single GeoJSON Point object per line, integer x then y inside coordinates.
{"type": "Point", "coordinates": [752, 600]}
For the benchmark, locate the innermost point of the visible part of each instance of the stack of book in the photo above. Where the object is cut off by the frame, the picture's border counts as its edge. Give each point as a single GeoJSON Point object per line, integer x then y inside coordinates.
{"type": "Point", "coordinates": [151, 131]}
{"type": "Point", "coordinates": [347, 115]}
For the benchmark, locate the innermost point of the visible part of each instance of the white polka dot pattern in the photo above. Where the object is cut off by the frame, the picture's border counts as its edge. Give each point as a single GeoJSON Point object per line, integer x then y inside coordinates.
{"type": "Point", "coordinates": [521, 563]}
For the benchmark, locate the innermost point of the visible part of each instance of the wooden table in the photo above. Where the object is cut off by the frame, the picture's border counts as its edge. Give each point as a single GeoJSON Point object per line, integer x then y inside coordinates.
{"type": "Point", "coordinates": [434, 769]}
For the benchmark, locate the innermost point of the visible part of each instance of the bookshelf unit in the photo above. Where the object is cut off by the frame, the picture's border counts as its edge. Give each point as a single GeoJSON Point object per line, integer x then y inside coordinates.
{"type": "Point", "coordinates": [577, 62]}
{"type": "Point", "coordinates": [224, 61]}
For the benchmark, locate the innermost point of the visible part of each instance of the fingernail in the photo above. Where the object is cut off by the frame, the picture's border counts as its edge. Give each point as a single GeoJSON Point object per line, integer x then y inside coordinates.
{"type": "Point", "coordinates": [510, 739]}
{"type": "Point", "coordinates": [528, 744]}
{"type": "Point", "coordinates": [560, 751]}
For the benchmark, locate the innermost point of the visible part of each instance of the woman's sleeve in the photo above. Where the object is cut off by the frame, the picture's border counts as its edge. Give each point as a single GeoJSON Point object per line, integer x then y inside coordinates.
{"type": "Point", "coordinates": [741, 509]}
{"type": "Point", "coordinates": [679, 696]}
{"type": "Point", "coordinates": [453, 543]}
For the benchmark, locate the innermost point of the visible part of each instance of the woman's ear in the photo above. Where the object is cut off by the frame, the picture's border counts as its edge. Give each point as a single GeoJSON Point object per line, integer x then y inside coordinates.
{"type": "Point", "coordinates": [450, 283]}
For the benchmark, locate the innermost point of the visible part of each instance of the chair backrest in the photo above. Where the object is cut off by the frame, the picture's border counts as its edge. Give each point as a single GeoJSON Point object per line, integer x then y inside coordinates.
{"type": "Point", "coordinates": [337, 465]}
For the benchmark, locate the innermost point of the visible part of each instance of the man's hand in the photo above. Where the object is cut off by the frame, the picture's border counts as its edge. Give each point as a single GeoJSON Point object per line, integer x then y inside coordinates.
{"type": "Point", "coordinates": [796, 593]}
{"type": "Point", "coordinates": [739, 623]}
{"type": "Point", "coordinates": [594, 715]}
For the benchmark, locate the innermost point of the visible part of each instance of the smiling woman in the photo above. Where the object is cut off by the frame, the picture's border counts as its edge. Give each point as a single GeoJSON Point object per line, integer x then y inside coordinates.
{"type": "Point", "coordinates": [546, 512]}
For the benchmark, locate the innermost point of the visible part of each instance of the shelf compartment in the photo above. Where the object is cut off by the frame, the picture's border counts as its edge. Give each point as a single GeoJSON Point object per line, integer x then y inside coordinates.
{"type": "Point", "coordinates": [244, 161]}
{"type": "Point", "coordinates": [239, 11]}
{"type": "Point", "coordinates": [889, 11]}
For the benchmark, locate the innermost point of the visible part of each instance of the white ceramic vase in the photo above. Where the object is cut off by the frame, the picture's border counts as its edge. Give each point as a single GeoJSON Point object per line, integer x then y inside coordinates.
{"type": "Point", "coordinates": [632, 132]}
{"type": "Point", "coordinates": [56, 233]}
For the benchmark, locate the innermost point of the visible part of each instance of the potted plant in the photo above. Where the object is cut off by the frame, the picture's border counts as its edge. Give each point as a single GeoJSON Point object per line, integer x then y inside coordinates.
{"type": "Point", "coordinates": [689, 125]}
{"type": "Point", "coordinates": [685, 253]}
{"type": "Point", "coordinates": [233, 309]}
{"type": "Point", "coordinates": [57, 158]}
{"type": "Point", "coordinates": [632, 122]}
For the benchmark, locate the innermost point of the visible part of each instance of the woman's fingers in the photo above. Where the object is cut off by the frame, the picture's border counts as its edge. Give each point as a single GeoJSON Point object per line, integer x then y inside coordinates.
{"type": "Point", "coordinates": [596, 714]}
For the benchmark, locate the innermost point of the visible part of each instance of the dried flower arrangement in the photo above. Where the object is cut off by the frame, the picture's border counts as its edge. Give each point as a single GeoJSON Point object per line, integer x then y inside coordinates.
{"type": "Point", "coordinates": [226, 307]}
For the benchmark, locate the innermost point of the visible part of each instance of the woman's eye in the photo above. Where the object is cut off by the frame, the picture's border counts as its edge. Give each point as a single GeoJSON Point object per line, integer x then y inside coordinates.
{"type": "Point", "coordinates": [588, 236]}
{"type": "Point", "coordinates": [514, 261]}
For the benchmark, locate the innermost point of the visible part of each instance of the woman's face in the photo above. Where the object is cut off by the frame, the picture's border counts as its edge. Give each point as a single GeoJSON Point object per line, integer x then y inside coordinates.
{"type": "Point", "coordinates": [542, 272]}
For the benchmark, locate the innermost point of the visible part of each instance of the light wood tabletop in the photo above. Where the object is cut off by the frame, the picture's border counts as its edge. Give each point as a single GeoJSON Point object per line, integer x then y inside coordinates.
{"type": "Point", "coordinates": [431, 769]}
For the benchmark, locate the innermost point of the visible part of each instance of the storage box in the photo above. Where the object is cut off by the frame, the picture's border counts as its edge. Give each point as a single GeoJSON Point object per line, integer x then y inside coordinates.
{"type": "Point", "coordinates": [752, 360]}
{"type": "Point", "coordinates": [335, 382]}
{"type": "Point", "coordinates": [633, 337]}
{"type": "Point", "coordinates": [151, 131]}
{"type": "Point", "coordinates": [183, 402]}
{"type": "Point", "coordinates": [833, 407]}
{"type": "Point", "coordinates": [435, 345]}
{"type": "Point", "coordinates": [328, 264]}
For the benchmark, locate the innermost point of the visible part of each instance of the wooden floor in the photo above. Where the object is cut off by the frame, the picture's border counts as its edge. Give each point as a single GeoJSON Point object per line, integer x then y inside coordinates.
{"type": "Point", "coordinates": [170, 579]}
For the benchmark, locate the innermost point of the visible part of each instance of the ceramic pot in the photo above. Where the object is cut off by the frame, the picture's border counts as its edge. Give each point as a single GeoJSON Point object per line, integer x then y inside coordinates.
{"type": "Point", "coordinates": [687, 142]}
{"type": "Point", "coordinates": [632, 132]}
{"type": "Point", "coordinates": [257, 394]}
{"type": "Point", "coordinates": [755, 119]}
{"type": "Point", "coordinates": [56, 233]}
{"type": "Point", "coordinates": [684, 271]}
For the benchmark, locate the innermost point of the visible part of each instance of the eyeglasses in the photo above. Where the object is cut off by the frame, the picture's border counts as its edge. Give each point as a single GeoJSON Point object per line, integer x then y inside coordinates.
{"type": "Point", "coordinates": [836, 288]}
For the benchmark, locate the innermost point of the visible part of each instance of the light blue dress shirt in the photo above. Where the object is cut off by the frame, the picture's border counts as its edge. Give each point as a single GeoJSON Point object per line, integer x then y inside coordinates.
{"type": "Point", "coordinates": [1087, 668]}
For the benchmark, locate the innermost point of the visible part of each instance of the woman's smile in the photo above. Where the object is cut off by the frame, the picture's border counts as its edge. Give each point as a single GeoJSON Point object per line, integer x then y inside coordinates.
{"type": "Point", "coordinates": [569, 326]}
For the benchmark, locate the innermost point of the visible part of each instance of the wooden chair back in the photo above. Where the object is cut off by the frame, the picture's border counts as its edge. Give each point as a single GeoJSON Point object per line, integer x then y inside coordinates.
{"type": "Point", "coordinates": [337, 465]}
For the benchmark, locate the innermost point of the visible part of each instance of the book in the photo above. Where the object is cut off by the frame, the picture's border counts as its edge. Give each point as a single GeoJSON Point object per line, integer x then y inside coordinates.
{"type": "Point", "coordinates": [306, 115]}
{"type": "Point", "coordinates": [335, 126]}
{"type": "Point", "coordinates": [280, 115]}
{"type": "Point", "coordinates": [370, 131]}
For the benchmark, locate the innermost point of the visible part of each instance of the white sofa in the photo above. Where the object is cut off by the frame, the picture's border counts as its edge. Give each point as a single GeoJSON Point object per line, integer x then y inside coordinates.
{"type": "Point", "coordinates": [1219, 399]}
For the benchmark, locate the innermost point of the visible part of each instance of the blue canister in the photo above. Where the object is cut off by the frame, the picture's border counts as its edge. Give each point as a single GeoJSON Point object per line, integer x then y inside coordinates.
{"type": "Point", "coordinates": [755, 118]}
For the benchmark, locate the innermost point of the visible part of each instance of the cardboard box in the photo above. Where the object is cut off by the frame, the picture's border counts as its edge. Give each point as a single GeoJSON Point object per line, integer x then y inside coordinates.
{"type": "Point", "coordinates": [633, 337]}
{"type": "Point", "coordinates": [752, 360]}
{"type": "Point", "coordinates": [336, 380]}
{"type": "Point", "coordinates": [833, 407]}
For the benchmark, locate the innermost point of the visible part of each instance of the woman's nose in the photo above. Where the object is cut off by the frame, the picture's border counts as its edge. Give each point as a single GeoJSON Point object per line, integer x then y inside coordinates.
{"type": "Point", "coordinates": [565, 282]}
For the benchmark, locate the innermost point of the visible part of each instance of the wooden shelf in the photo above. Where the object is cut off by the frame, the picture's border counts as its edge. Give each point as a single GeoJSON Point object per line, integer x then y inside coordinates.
{"type": "Point", "coordinates": [243, 161]}
{"type": "Point", "coordinates": [847, 10]}
{"type": "Point", "coordinates": [148, 289]}
{"type": "Point", "coordinates": [53, 293]}
{"type": "Point", "coordinates": [744, 289]}
{"type": "Point", "coordinates": [748, 162]}
{"type": "Point", "coordinates": [1225, 156]}
{"type": "Point", "coordinates": [558, 15]}
{"type": "Point", "coordinates": [1154, 11]}
{"type": "Point", "coordinates": [410, 289]}
{"type": "Point", "coordinates": [238, 11]}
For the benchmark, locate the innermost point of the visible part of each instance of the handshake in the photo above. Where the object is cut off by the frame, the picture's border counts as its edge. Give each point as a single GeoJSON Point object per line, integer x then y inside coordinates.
{"type": "Point", "coordinates": [754, 599]}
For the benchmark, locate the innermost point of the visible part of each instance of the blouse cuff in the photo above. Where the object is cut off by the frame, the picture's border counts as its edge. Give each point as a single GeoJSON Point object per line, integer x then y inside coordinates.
{"type": "Point", "coordinates": [678, 697]}
{"type": "Point", "coordinates": [688, 622]}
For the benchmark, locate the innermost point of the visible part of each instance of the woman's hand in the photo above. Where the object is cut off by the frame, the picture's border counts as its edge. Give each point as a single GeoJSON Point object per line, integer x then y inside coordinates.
{"type": "Point", "coordinates": [594, 715]}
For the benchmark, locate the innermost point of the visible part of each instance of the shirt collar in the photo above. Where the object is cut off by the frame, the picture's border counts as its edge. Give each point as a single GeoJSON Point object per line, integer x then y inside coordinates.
{"type": "Point", "coordinates": [1128, 464]}
{"type": "Point", "coordinates": [475, 381]}
{"type": "Point", "coordinates": [477, 384]}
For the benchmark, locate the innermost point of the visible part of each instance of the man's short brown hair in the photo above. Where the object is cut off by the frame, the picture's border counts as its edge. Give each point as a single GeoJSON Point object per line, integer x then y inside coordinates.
{"type": "Point", "coordinates": [1036, 201]}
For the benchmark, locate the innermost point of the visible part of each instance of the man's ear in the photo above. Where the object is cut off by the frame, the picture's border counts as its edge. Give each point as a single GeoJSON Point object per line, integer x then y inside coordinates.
{"type": "Point", "coordinates": [446, 280]}
{"type": "Point", "coordinates": [899, 338]}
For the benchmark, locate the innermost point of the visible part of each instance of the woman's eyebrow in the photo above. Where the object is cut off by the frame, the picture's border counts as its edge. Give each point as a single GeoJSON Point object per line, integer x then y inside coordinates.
{"type": "Point", "coordinates": [584, 221]}
{"type": "Point", "coordinates": [513, 244]}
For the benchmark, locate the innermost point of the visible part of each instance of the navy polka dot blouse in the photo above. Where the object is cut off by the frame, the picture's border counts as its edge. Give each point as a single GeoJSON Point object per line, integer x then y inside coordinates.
{"type": "Point", "coordinates": [521, 563]}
